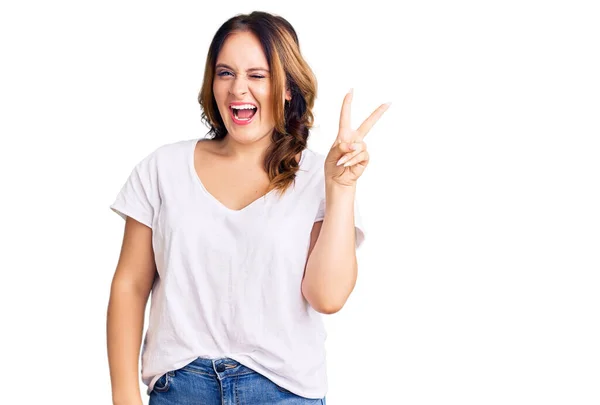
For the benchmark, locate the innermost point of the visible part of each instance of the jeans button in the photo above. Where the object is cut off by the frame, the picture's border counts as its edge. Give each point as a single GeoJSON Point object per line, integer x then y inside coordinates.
{"type": "Point", "coordinates": [221, 368]}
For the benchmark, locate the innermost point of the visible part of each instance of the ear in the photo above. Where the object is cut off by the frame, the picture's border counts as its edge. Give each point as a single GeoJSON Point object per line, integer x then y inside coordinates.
{"type": "Point", "coordinates": [288, 95]}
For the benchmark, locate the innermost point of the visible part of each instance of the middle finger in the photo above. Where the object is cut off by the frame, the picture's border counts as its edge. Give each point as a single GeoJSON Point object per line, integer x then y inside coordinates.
{"type": "Point", "coordinates": [366, 126]}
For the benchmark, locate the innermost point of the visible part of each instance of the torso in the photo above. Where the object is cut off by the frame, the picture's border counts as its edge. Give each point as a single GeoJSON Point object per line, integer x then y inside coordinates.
{"type": "Point", "coordinates": [215, 266]}
{"type": "Point", "coordinates": [236, 185]}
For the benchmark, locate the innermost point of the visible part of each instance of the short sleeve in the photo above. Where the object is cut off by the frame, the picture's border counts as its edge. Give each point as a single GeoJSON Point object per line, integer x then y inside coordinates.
{"type": "Point", "coordinates": [358, 222]}
{"type": "Point", "coordinates": [138, 196]}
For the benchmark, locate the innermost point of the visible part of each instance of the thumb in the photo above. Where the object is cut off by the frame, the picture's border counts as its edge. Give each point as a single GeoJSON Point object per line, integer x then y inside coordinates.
{"type": "Point", "coordinates": [338, 150]}
{"type": "Point", "coordinates": [342, 147]}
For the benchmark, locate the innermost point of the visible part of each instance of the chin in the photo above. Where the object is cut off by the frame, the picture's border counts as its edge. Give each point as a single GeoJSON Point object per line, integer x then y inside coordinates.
{"type": "Point", "coordinates": [247, 135]}
{"type": "Point", "coordinates": [246, 140]}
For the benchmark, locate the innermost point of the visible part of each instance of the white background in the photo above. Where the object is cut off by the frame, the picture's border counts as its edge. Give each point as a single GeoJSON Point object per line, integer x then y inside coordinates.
{"type": "Point", "coordinates": [478, 282]}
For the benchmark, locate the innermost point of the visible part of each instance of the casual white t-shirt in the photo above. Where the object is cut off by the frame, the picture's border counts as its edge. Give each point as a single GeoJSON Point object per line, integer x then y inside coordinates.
{"type": "Point", "coordinates": [229, 282]}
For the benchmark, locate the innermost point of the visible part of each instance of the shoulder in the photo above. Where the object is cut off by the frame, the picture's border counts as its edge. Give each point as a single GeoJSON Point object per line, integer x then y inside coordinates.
{"type": "Point", "coordinates": [313, 161]}
{"type": "Point", "coordinates": [166, 154]}
{"type": "Point", "coordinates": [312, 169]}
{"type": "Point", "coordinates": [174, 148]}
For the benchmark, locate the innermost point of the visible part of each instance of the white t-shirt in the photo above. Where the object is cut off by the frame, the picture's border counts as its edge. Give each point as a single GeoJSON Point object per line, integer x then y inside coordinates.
{"type": "Point", "coordinates": [229, 282]}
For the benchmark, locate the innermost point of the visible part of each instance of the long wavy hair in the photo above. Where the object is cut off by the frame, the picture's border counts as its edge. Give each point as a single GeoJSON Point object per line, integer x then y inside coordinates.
{"type": "Point", "coordinates": [294, 118]}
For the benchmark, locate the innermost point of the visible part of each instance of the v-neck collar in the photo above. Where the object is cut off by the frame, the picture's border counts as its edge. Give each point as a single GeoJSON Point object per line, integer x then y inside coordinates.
{"type": "Point", "coordinates": [215, 200]}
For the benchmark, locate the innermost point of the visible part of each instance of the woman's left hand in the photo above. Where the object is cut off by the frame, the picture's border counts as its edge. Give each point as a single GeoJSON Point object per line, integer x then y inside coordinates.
{"type": "Point", "coordinates": [348, 156]}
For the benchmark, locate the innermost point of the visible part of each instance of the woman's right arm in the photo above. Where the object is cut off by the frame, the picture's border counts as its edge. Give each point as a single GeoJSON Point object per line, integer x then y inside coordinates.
{"type": "Point", "coordinates": [129, 294]}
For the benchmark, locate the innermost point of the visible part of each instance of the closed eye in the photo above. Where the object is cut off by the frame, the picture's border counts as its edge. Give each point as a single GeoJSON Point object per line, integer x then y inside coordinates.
{"type": "Point", "coordinates": [226, 73]}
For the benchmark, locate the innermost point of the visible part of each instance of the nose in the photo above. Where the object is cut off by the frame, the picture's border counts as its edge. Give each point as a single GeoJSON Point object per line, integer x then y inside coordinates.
{"type": "Point", "coordinates": [239, 86]}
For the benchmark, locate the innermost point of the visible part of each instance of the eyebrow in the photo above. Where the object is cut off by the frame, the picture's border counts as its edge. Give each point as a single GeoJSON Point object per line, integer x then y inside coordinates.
{"type": "Point", "coordinates": [222, 65]}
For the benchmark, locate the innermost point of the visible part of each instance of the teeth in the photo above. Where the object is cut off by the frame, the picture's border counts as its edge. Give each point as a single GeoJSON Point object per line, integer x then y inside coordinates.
{"type": "Point", "coordinates": [243, 107]}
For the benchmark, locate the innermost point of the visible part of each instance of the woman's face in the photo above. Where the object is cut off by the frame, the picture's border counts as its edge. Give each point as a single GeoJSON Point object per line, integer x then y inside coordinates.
{"type": "Point", "coordinates": [242, 88]}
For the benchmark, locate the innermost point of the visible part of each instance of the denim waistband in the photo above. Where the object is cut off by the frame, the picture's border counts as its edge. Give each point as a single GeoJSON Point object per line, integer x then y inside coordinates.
{"type": "Point", "coordinates": [221, 366]}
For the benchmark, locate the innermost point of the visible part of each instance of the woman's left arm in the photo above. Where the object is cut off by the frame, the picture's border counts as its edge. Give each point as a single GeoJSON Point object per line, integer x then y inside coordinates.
{"type": "Point", "coordinates": [331, 268]}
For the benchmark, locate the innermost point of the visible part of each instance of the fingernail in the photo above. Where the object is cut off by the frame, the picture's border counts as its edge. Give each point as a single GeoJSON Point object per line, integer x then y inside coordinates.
{"type": "Point", "coordinates": [347, 164]}
{"type": "Point", "coordinates": [342, 160]}
{"type": "Point", "coordinates": [351, 91]}
{"type": "Point", "coordinates": [353, 146]}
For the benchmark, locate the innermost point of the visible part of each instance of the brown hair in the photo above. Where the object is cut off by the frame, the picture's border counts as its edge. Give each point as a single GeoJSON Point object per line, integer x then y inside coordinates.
{"type": "Point", "coordinates": [293, 119]}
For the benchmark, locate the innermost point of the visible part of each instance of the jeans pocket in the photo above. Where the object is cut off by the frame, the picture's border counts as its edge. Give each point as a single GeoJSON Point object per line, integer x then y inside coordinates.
{"type": "Point", "coordinates": [164, 382]}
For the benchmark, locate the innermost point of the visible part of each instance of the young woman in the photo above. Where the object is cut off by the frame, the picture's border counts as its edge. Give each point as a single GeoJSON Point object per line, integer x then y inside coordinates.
{"type": "Point", "coordinates": [232, 235]}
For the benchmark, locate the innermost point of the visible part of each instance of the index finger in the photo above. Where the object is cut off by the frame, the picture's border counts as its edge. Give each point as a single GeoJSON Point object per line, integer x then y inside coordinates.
{"type": "Point", "coordinates": [366, 126]}
{"type": "Point", "coordinates": [345, 114]}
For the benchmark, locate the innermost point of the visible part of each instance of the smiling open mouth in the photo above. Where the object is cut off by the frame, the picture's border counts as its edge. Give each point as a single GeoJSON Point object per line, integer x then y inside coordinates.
{"type": "Point", "coordinates": [243, 112]}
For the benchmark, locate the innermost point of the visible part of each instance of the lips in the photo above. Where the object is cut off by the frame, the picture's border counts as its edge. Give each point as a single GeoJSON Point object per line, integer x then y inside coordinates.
{"type": "Point", "coordinates": [242, 113]}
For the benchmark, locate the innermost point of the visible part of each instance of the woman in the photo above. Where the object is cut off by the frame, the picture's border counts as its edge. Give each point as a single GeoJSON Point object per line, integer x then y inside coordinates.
{"type": "Point", "coordinates": [233, 237]}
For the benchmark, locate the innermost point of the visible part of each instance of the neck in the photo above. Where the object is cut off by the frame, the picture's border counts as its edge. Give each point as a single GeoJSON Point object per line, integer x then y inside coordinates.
{"type": "Point", "coordinates": [252, 152]}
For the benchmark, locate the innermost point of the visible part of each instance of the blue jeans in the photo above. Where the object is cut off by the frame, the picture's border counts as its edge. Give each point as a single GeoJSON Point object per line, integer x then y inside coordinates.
{"type": "Point", "coordinates": [221, 381]}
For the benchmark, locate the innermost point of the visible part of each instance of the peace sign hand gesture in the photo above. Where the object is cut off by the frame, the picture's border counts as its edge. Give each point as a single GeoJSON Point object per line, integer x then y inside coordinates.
{"type": "Point", "coordinates": [348, 156]}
